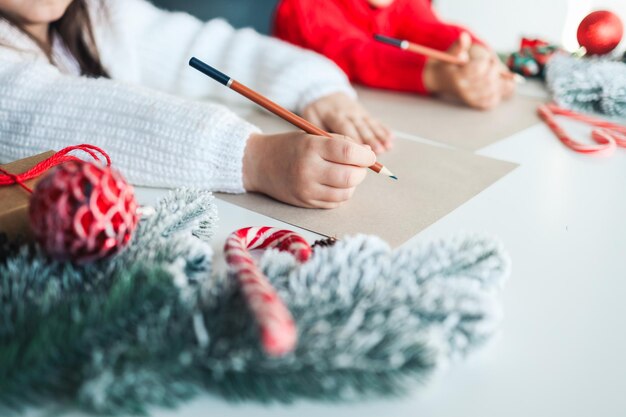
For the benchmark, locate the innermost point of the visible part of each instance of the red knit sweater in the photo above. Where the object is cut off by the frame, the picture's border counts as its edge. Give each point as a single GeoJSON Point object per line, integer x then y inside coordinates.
{"type": "Point", "coordinates": [343, 31]}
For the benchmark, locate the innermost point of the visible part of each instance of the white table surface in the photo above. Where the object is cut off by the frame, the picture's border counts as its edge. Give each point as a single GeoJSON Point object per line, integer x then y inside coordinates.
{"type": "Point", "coordinates": [562, 346]}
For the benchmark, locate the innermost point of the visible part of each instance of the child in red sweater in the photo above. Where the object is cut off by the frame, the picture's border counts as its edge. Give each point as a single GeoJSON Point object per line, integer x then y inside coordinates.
{"type": "Point", "coordinates": [343, 30]}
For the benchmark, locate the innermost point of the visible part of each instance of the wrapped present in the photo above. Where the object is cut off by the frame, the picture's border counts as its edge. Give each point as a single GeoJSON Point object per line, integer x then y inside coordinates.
{"type": "Point", "coordinates": [14, 200]}
{"type": "Point", "coordinates": [532, 57]}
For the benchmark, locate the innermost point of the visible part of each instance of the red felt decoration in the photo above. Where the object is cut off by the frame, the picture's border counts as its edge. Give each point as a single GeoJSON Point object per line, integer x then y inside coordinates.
{"type": "Point", "coordinates": [83, 212]}
{"type": "Point", "coordinates": [600, 32]}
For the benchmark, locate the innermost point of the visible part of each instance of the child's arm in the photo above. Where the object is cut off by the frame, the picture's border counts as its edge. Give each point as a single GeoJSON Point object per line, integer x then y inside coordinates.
{"type": "Point", "coordinates": [152, 47]}
{"type": "Point", "coordinates": [142, 44]}
{"type": "Point", "coordinates": [477, 83]}
{"type": "Point", "coordinates": [322, 26]}
{"type": "Point", "coordinates": [155, 139]}
{"type": "Point", "coordinates": [164, 141]}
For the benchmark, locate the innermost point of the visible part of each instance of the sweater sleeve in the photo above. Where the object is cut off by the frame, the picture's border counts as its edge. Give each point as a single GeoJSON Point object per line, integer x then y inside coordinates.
{"type": "Point", "coordinates": [143, 44]}
{"type": "Point", "coordinates": [154, 139]}
{"type": "Point", "coordinates": [323, 26]}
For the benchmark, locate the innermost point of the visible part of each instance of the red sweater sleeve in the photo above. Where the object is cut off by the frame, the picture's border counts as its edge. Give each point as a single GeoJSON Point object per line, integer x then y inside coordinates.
{"type": "Point", "coordinates": [322, 26]}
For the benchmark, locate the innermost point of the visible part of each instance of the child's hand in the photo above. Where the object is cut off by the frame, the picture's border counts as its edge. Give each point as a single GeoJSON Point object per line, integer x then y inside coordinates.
{"type": "Point", "coordinates": [478, 83]}
{"type": "Point", "coordinates": [305, 170]}
{"type": "Point", "coordinates": [341, 114]}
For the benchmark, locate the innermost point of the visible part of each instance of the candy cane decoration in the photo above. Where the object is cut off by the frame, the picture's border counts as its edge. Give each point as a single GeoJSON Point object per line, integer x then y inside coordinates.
{"type": "Point", "coordinates": [278, 330]}
{"type": "Point", "coordinates": [608, 135]}
{"type": "Point", "coordinates": [618, 131]}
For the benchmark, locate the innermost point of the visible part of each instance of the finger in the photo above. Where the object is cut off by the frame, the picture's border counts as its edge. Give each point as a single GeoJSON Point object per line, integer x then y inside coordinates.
{"type": "Point", "coordinates": [324, 205]}
{"type": "Point", "coordinates": [326, 197]}
{"type": "Point", "coordinates": [481, 89]}
{"type": "Point", "coordinates": [316, 204]}
{"type": "Point", "coordinates": [475, 98]}
{"type": "Point", "coordinates": [507, 81]}
{"type": "Point", "coordinates": [334, 195]}
{"type": "Point", "coordinates": [508, 88]}
{"type": "Point", "coordinates": [342, 176]}
{"type": "Point", "coordinates": [486, 83]}
{"type": "Point", "coordinates": [461, 48]}
{"type": "Point", "coordinates": [475, 95]}
{"type": "Point", "coordinates": [344, 126]}
{"type": "Point", "coordinates": [382, 133]}
{"type": "Point", "coordinates": [368, 136]}
{"type": "Point", "coordinates": [313, 117]}
{"type": "Point", "coordinates": [494, 69]}
{"type": "Point", "coordinates": [470, 79]}
{"type": "Point", "coordinates": [479, 51]}
{"type": "Point", "coordinates": [488, 100]}
{"type": "Point", "coordinates": [493, 81]}
{"type": "Point", "coordinates": [344, 151]}
{"type": "Point", "coordinates": [475, 69]}
{"type": "Point", "coordinates": [489, 94]}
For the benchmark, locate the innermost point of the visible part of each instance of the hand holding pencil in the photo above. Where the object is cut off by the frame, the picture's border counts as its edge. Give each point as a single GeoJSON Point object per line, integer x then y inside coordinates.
{"type": "Point", "coordinates": [305, 170]}
{"type": "Point", "coordinates": [468, 71]}
{"type": "Point", "coordinates": [308, 169]}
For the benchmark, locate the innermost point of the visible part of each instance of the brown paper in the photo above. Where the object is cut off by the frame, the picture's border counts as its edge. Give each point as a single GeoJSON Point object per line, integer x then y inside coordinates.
{"type": "Point", "coordinates": [14, 199]}
{"type": "Point", "coordinates": [433, 181]}
{"type": "Point", "coordinates": [451, 123]}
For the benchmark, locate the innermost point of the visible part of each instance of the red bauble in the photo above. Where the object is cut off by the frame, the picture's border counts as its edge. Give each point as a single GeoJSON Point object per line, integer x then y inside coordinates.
{"type": "Point", "coordinates": [83, 212]}
{"type": "Point", "coordinates": [600, 32]}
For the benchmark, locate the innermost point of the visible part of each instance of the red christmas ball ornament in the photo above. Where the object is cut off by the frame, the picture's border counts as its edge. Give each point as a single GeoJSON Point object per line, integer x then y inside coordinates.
{"type": "Point", "coordinates": [600, 32]}
{"type": "Point", "coordinates": [83, 212]}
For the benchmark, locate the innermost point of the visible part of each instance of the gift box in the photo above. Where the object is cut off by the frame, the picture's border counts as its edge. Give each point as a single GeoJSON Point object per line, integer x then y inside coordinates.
{"type": "Point", "coordinates": [14, 200]}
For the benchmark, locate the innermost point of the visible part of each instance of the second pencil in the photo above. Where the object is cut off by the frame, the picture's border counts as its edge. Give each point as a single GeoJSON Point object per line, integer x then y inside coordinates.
{"type": "Point", "coordinates": [436, 54]}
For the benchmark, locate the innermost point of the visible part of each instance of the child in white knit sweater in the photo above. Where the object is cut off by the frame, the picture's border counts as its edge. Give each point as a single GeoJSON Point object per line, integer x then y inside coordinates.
{"type": "Point", "coordinates": [114, 74]}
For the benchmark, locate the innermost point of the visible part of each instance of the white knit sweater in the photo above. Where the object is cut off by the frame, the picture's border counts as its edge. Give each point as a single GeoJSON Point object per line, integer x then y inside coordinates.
{"type": "Point", "coordinates": [156, 138]}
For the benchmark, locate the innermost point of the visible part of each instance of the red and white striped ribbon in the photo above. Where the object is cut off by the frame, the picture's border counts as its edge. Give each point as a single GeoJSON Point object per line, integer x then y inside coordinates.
{"type": "Point", "coordinates": [608, 135]}
{"type": "Point", "coordinates": [278, 330]}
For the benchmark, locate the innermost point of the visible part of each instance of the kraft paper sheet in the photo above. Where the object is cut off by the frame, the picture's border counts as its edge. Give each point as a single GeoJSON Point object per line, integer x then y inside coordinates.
{"type": "Point", "coordinates": [451, 123]}
{"type": "Point", "coordinates": [433, 181]}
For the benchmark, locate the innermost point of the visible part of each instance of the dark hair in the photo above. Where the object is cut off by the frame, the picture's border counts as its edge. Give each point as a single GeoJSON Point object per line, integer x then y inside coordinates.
{"type": "Point", "coordinates": [76, 31]}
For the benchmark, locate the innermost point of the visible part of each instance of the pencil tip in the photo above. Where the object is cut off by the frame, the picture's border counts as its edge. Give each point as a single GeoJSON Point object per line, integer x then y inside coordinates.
{"type": "Point", "coordinates": [385, 171]}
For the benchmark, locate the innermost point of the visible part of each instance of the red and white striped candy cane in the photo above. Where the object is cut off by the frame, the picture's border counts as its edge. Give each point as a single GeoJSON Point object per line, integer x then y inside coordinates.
{"type": "Point", "coordinates": [617, 131]}
{"type": "Point", "coordinates": [608, 135]}
{"type": "Point", "coordinates": [278, 330]}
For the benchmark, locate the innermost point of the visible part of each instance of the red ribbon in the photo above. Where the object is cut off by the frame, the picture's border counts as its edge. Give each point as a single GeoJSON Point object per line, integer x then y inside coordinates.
{"type": "Point", "coordinates": [7, 178]}
{"type": "Point", "coordinates": [532, 43]}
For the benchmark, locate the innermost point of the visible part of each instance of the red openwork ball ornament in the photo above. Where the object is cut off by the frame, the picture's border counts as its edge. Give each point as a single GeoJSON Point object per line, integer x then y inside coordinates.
{"type": "Point", "coordinates": [83, 212]}
{"type": "Point", "coordinates": [600, 32]}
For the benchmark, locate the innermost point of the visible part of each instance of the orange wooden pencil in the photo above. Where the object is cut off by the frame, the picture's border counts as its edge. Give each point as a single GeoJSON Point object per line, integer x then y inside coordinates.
{"type": "Point", "coordinates": [268, 104]}
{"type": "Point", "coordinates": [436, 54]}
